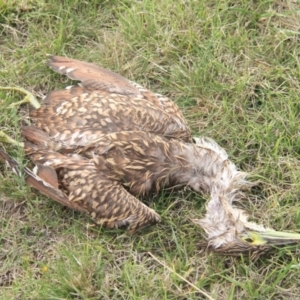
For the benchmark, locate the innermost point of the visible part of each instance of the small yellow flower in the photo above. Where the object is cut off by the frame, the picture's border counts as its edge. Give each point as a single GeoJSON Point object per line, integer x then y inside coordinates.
{"type": "Point", "coordinates": [44, 269]}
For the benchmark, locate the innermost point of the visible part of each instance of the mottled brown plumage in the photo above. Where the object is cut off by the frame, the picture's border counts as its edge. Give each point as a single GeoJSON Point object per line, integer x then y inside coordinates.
{"type": "Point", "coordinates": [77, 120]}
{"type": "Point", "coordinates": [100, 145]}
{"type": "Point", "coordinates": [80, 181]}
{"type": "Point", "coordinates": [96, 78]}
{"type": "Point", "coordinates": [105, 102]}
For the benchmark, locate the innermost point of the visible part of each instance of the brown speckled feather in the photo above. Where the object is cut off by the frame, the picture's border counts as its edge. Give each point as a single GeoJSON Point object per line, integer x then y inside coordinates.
{"type": "Point", "coordinates": [105, 95]}
{"type": "Point", "coordinates": [75, 121]}
{"type": "Point", "coordinates": [93, 77]}
{"type": "Point", "coordinates": [41, 183]}
{"type": "Point", "coordinates": [105, 200]}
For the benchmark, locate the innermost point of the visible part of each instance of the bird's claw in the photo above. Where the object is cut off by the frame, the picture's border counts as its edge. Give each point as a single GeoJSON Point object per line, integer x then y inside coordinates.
{"type": "Point", "coordinates": [29, 98]}
{"type": "Point", "coordinates": [4, 138]}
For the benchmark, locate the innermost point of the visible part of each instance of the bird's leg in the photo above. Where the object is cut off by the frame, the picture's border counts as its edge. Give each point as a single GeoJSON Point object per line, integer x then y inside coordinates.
{"type": "Point", "coordinates": [4, 138]}
{"type": "Point", "coordinates": [29, 97]}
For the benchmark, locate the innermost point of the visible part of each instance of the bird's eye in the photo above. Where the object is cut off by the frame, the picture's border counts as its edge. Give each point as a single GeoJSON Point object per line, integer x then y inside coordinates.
{"type": "Point", "coordinates": [248, 240]}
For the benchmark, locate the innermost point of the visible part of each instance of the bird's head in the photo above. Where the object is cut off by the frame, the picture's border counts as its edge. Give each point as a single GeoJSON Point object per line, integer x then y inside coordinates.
{"type": "Point", "coordinates": [229, 232]}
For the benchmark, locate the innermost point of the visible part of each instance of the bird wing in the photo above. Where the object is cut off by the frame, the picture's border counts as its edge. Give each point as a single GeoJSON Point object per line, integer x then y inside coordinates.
{"type": "Point", "coordinates": [112, 85]}
{"type": "Point", "coordinates": [92, 76]}
{"type": "Point", "coordinates": [139, 160]}
{"type": "Point", "coordinates": [75, 117]}
{"type": "Point", "coordinates": [106, 201]}
{"type": "Point", "coordinates": [44, 181]}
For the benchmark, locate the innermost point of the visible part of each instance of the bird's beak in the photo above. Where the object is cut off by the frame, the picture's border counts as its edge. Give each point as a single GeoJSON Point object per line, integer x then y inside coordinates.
{"type": "Point", "coordinates": [271, 238]}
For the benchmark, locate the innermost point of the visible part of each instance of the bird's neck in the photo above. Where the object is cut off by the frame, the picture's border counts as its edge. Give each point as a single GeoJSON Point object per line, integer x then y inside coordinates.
{"type": "Point", "coordinates": [205, 166]}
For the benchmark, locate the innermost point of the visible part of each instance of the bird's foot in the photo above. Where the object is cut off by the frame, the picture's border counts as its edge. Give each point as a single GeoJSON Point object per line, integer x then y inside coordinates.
{"type": "Point", "coordinates": [29, 97]}
{"type": "Point", "coordinates": [4, 138]}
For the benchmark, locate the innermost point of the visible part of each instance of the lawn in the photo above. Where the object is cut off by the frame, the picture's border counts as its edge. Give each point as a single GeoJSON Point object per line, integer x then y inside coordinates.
{"type": "Point", "coordinates": [233, 67]}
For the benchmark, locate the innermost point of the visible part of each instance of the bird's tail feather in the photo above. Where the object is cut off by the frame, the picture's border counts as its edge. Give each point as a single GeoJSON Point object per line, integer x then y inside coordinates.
{"type": "Point", "coordinates": [41, 179]}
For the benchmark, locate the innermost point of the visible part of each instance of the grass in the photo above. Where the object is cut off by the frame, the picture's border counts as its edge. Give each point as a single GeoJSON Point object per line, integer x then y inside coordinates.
{"type": "Point", "coordinates": [233, 68]}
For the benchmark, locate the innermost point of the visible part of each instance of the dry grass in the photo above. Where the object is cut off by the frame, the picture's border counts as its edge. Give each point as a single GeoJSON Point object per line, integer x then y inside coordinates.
{"type": "Point", "coordinates": [233, 68]}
